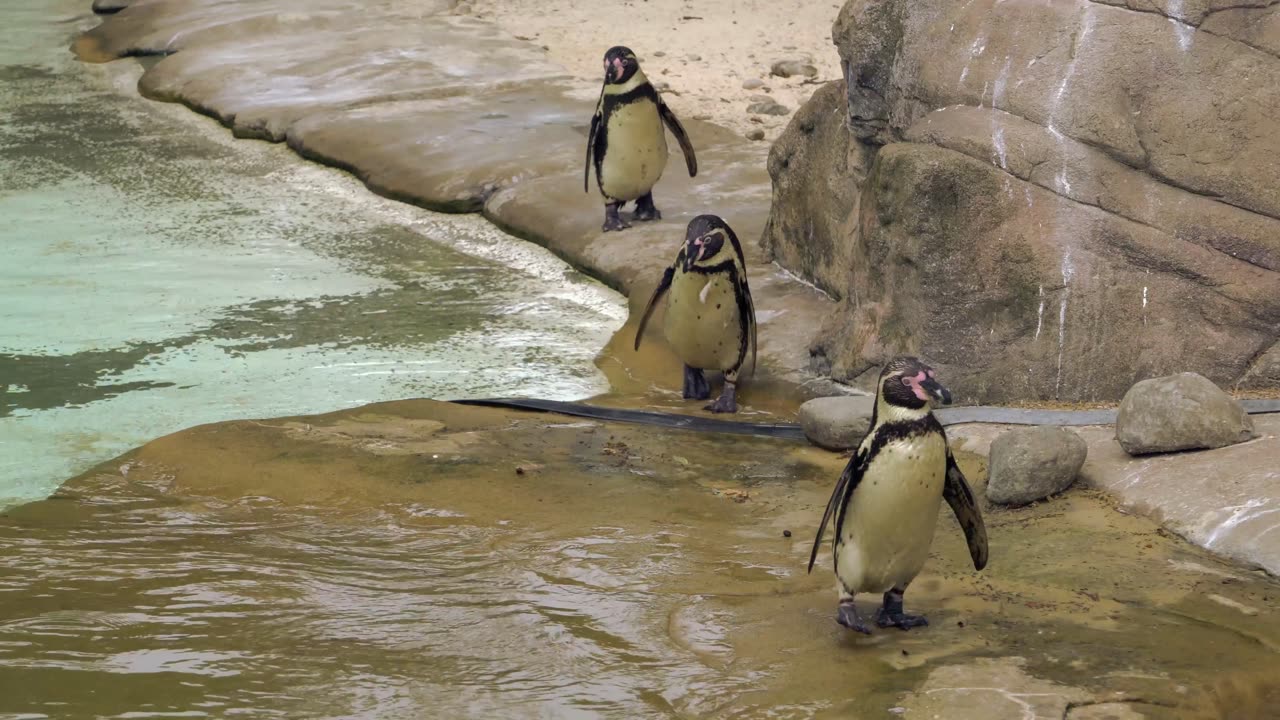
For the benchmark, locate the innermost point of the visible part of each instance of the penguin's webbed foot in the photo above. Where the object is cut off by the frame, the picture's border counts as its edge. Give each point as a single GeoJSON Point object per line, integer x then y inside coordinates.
{"type": "Point", "coordinates": [847, 615]}
{"type": "Point", "coordinates": [645, 209]}
{"type": "Point", "coordinates": [612, 219]}
{"type": "Point", "coordinates": [727, 402]}
{"type": "Point", "coordinates": [890, 614]}
{"type": "Point", "coordinates": [696, 386]}
{"type": "Point", "coordinates": [899, 620]}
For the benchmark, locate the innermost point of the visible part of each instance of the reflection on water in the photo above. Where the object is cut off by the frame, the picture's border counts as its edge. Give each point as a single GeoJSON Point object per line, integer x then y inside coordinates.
{"type": "Point", "coordinates": [158, 274]}
{"type": "Point", "coordinates": [128, 606]}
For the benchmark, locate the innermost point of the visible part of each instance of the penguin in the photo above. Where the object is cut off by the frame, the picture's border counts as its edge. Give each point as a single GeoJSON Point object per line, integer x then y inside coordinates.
{"type": "Point", "coordinates": [886, 502]}
{"type": "Point", "coordinates": [711, 320]}
{"type": "Point", "coordinates": [627, 142]}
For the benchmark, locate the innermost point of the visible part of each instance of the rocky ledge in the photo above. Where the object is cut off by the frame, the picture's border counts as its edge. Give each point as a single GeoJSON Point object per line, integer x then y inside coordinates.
{"type": "Point", "coordinates": [448, 113]}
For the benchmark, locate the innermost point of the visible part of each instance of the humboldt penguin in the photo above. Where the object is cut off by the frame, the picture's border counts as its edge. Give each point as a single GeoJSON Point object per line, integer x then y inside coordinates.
{"type": "Point", "coordinates": [886, 501]}
{"type": "Point", "coordinates": [710, 321]}
{"type": "Point", "coordinates": [627, 141]}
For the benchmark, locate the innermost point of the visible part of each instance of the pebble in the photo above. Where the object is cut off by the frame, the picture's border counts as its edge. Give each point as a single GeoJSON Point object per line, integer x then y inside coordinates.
{"type": "Point", "coordinates": [755, 134]}
{"type": "Point", "coordinates": [659, 53]}
{"type": "Point", "coordinates": [695, 58]}
{"type": "Point", "coordinates": [752, 84]}
{"type": "Point", "coordinates": [786, 533]}
{"type": "Point", "coordinates": [772, 107]}
{"type": "Point", "coordinates": [791, 68]}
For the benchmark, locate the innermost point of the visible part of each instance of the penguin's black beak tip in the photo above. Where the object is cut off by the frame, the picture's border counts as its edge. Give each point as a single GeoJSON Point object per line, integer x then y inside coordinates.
{"type": "Point", "coordinates": [939, 393]}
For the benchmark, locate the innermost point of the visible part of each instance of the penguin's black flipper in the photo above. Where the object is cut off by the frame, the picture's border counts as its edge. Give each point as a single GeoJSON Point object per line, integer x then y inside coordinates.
{"type": "Point", "coordinates": [958, 495]}
{"type": "Point", "coordinates": [682, 137]}
{"type": "Point", "coordinates": [746, 319]}
{"type": "Point", "coordinates": [591, 145]}
{"type": "Point", "coordinates": [845, 486]}
{"type": "Point", "coordinates": [746, 306]}
{"type": "Point", "coordinates": [663, 286]}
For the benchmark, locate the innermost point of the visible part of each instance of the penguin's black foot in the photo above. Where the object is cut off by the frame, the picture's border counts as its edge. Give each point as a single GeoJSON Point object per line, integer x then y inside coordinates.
{"type": "Point", "coordinates": [646, 210]}
{"type": "Point", "coordinates": [612, 220]}
{"type": "Point", "coordinates": [696, 386]}
{"type": "Point", "coordinates": [899, 620]}
{"type": "Point", "coordinates": [727, 402]}
{"type": "Point", "coordinates": [847, 615]}
{"type": "Point", "coordinates": [890, 614]}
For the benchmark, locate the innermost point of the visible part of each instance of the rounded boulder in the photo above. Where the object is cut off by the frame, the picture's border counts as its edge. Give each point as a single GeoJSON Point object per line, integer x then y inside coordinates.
{"type": "Point", "coordinates": [1030, 464]}
{"type": "Point", "coordinates": [1180, 412]}
{"type": "Point", "coordinates": [837, 423]}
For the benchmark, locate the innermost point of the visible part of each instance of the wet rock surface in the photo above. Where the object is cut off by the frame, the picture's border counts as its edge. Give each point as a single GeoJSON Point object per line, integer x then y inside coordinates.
{"type": "Point", "coordinates": [837, 423]}
{"type": "Point", "coordinates": [404, 538]}
{"type": "Point", "coordinates": [1007, 190]}
{"type": "Point", "coordinates": [1223, 499]}
{"type": "Point", "coordinates": [1030, 464]}
{"type": "Point", "coordinates": [1180, 412]}
{"type": "Point", "coordinates": [446, 112]}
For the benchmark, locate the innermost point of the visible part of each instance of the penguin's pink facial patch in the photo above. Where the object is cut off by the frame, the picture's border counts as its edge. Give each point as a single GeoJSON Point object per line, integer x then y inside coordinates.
{"type": "Point", "coordinates": [913, 382]}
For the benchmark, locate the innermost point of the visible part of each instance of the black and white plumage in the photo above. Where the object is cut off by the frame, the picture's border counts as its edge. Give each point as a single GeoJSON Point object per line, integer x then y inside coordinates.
{"type": "Point", "coordinates": [710, 320]}
{"type": "Point", "coordinates": [627, 143]}
{"type": "Point", "coordinates": [885, 504]}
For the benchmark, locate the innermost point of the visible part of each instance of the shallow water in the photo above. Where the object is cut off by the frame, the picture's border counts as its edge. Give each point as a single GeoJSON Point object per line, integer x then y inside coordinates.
{"type": "Point", "coordinates": [158, 274]}
{"type": "Point", "coordinates": [425, 560]}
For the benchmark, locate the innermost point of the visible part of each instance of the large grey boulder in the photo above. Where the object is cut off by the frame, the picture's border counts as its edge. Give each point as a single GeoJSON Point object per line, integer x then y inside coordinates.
{"type": "Point", "coordinates": [837, 423]}
{"type": "Point", "coordinates": [1030, 464]}
{"type": "Point", "coordinates": [1180, 412]}
{"type": "Point", "coordinates": [1007, 188]}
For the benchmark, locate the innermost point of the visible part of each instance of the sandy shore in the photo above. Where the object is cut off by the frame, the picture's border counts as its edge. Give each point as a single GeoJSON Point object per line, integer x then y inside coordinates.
{"type": "Point", "coordinates": [703, 50]}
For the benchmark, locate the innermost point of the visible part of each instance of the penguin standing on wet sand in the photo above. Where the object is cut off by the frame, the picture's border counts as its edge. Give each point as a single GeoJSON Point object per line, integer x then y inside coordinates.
{"type": "Point", "coordinates": [711, 321]}
{"type": "Point", "coordinates": [886, 501]}
{"type": "Point", "coordinates": [627, 140]}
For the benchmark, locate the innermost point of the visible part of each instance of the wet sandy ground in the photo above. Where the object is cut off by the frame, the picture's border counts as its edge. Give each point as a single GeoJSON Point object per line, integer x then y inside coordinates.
{"type": "Point", "coordinates": [375, 562]}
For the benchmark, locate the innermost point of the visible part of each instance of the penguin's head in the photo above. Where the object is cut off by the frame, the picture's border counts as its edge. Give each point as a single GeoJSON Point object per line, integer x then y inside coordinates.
{"type": "Point", "coordinates": [907, 382]}
{"type": "Point", "coordinates": [619, 65]}
{"type": "Point", "coordinates": [707, 241]}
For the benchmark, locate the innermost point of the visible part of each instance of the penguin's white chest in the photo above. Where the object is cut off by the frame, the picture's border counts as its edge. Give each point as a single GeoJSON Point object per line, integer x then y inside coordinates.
{"type": "Point", "coordinates": [636, 151]}
{"type": "Point", "coordinates": [702, 323]}
{"type": "Point", "coordinates": [889, 523]}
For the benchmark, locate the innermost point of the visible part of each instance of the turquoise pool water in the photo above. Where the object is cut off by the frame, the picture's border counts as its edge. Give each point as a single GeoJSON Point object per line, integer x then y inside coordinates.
{"type": "Point", "coordinates": [157, 274]}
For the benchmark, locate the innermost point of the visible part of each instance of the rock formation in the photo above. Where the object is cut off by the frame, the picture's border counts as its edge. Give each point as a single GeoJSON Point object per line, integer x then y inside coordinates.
{"type": "Point", "coordinates": [1046, 200]}
{"type": "Point", "coordinates": [1180, 412]}
{"type": "Point", "coordinates": [1030, 464]}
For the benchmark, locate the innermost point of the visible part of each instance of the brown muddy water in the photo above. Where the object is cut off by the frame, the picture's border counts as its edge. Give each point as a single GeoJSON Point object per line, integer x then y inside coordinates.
{"type": "Point", "coordinates": [420, 559]}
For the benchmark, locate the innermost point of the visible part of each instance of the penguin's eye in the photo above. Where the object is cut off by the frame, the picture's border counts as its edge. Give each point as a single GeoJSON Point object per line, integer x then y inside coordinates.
{"type": "Point", "coordinates": [906, 381]}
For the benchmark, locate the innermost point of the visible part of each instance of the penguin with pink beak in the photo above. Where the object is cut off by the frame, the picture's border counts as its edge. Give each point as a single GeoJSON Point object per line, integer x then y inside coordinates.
{"type": "Point", "coordinates": [627, 142]}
